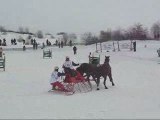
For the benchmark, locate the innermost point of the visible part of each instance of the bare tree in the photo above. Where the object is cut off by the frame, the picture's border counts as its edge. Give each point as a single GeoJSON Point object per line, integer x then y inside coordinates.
{"type": "Point", "coordinates": [138, 32]}
{"type": "Point", "coordinates": [89, 38]}
{"type": "Point", "coordinates": [39, 34]}
{"type": "Point", "coordinates": [26, 30]}
{"type": "Point", "coordinates": [2, 29]}
{"type": "Point", "coordinates": [65, 38]}
{"type": "Point", "coordinates": [155, 30]}
{"type": "Point", "coordinates": [72, 37]}
{"type": "Point", "coordinates": [105, 35]}
{"type": "Point", "coordinates": [117, 34]}
{"type": "Point", "coordinates": [21, 29]}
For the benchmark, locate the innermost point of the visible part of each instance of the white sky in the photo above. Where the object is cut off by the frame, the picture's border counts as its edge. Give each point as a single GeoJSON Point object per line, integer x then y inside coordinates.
{"type": "Point", "coordinates": [77, 16]}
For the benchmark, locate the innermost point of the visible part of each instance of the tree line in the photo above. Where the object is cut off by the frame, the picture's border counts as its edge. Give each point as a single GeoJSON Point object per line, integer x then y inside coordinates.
{"type": "Point", "coordinates": [136, 32]}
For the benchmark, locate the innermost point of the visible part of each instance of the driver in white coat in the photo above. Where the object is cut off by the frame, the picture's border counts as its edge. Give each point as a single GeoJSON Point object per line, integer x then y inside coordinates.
{"type": "Point", "coordinates": [68, 66]}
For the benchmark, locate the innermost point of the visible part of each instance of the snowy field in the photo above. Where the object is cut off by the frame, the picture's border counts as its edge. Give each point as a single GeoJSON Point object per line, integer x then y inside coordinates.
{"type": "Point", "coordinates": [25, 83]}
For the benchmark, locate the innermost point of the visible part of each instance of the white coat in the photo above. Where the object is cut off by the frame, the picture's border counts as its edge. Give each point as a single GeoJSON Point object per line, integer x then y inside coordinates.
{"type": "Point", "coordinates": [54, 77]}
{"type": "Point", "coordinates": [68, 64]}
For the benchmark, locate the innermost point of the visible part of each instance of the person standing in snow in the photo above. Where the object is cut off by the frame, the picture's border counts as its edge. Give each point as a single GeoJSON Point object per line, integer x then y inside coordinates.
{"type": "Point", "coordinates": [68, 66]}
{"type": "Point", "coordinates": [134, 46]}
{"type": "Point", "coordinates": [1, 51]}
{"type": "Point", "coordinates": [55, 80]}
{"type": "Point", "coordinates": [70, 43]}
{"type": "Point", "coordinates": [0, 42]}
{"type": "Point", "coordinates": [59, 45]}
{"type": "Point", "coordinates": [75, 50]}
{"type": "Point", "coordinates": [56, 42]}
{"type": "Point", "coordinates": [62, 44]}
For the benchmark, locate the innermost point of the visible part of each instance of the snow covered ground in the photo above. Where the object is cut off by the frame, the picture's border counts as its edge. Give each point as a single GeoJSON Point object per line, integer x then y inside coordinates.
{"type": "Point", "coordinates": [25, 83]}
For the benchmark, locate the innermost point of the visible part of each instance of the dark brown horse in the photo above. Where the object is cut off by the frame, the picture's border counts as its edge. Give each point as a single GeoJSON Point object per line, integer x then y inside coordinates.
{"type": "Point", "coordinates": [96, 72]}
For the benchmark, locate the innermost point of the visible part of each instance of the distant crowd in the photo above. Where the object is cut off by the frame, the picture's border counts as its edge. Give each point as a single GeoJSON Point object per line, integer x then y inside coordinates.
{"type": "Point", "coordinates": [3, 42]}
{"type": "Point", "coordinates": [35, 44]}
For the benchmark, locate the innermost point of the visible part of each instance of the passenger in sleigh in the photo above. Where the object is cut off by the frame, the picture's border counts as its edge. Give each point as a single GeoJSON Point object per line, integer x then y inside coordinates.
{"type": "Point", "coordinates": [55, 80]}
{"type": "Point", "coordinates": [68, 67]}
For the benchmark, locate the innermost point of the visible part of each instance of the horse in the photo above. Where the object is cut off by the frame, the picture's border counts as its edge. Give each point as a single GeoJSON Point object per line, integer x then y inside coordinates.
{"type": "Point", "coordinates": [96, 72]}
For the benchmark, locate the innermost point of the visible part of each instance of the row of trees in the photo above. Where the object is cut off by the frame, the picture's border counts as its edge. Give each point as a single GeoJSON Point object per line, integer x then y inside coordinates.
{"type": "Point", "coordinates": [135, 32]}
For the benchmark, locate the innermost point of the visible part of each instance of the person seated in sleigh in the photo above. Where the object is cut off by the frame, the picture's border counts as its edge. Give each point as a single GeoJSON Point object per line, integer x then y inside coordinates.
{"type": "Point", "coordinates": [68, 67]}
{"type": "Point", "coordinates": [55, 80]}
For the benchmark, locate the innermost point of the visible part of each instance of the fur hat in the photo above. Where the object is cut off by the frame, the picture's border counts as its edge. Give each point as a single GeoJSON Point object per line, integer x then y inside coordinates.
{"type": "Point", "coordinates": [67, 57]}
{"type": "Point", "coordinates": [56, 68]}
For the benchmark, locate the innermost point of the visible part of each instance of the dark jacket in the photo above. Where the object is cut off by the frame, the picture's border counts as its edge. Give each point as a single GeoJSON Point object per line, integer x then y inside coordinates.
{"type": "Point", "coordinates": [74, 48]}
{"type": "Point", "coordinates": [61, 74]}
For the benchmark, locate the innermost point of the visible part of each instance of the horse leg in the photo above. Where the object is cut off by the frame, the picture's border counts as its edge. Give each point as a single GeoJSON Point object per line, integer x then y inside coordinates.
{"type": "Point", "coordinates": [111, 79]}
{"type": "Point", "coordinates": [94, 79]}
{"type": "Point", "coordinates": [90, 85]}
{"type": "Point", "coordinates": [89, 82]}
{"type": "Point", "coordinates": [98, 81]}
{"type": "Point", "coordinates": [105, 78]}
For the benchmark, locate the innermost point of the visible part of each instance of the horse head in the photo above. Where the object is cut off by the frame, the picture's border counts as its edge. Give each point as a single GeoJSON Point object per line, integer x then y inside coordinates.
{"type": "Point", "coordinates": [107, 59]}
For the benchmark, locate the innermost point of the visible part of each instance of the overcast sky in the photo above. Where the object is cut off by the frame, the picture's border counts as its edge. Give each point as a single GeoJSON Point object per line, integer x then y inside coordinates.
{"type": "Point", "coordinates": [77, 16]}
